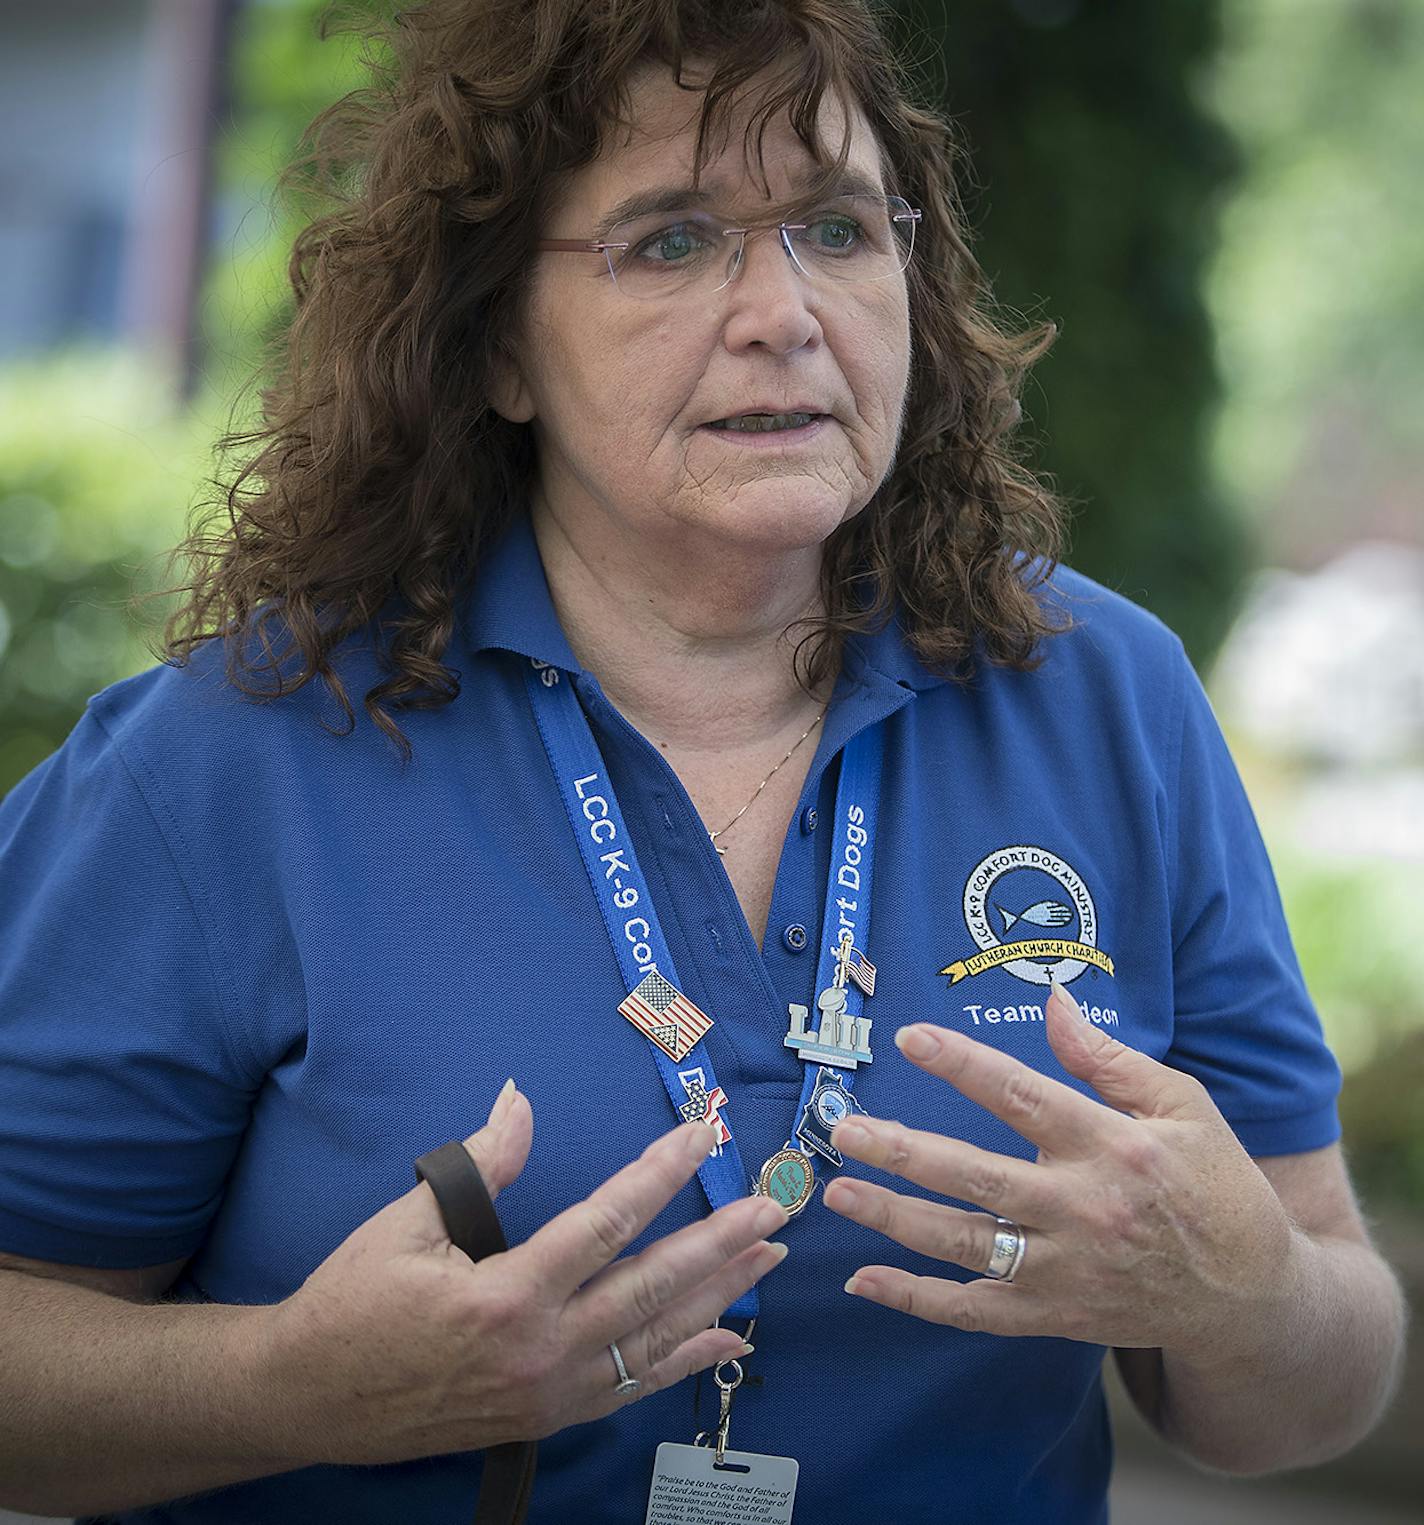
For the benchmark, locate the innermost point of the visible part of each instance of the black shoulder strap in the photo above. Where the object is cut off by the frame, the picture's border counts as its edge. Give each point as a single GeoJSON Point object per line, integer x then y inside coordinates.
{"type": "Point", "coordinates": [473, 1226]}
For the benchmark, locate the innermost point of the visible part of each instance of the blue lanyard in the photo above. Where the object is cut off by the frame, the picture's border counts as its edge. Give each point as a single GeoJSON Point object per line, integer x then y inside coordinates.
{"type": "Point", "coordinates": [829, 1039]}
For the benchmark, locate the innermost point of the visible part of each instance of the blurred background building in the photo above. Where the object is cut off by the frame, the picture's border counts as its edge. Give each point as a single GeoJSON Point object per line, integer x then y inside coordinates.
{"type": "Point", "coordinates": [108, 113]}
{"type": "Point", "coordinates": [1220, 202]}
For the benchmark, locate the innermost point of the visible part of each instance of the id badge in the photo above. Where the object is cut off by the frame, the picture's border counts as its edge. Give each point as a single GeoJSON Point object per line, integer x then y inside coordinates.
{"type": "Point", "coordinates": [690, 1489]}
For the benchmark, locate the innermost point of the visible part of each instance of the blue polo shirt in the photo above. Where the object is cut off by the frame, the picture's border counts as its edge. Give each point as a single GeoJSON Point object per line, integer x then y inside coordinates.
{"type": "Point", "coordinates": [250, 970]}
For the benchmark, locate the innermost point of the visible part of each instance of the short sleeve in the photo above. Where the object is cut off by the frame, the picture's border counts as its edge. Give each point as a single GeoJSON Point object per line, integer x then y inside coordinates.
{"type": "Point", "coordinates": [122, 1100]}
{"type": "Point", "coordinates": [1245, 1025]}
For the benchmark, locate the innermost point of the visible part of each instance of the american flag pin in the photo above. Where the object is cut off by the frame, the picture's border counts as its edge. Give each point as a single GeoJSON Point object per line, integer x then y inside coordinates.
{"type": "Point", "coordinates": [660, 1011]}
{"type": "Point", "coordinates": [852, 964]}
{"type": "Point", "coordinates": [702, 1105]}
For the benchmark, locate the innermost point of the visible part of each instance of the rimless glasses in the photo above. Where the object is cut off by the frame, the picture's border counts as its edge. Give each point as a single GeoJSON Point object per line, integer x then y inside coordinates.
{"type": "Point", "coordinates": [673, 251]}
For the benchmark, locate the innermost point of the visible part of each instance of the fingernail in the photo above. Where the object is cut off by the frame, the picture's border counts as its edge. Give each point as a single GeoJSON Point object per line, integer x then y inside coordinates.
{"type": "Point", "coordinates": [917, 1042]}
{"type": "Point", "coordinates": [746, 1349]}
{"type": "Point", "coordinates": [1092, 1034]}
{"type": "Point", "coordinates": [1061, 991]}
{"type": "Point", "coordinates": [850, 1132]}
{"type": "Point", "coordinates": [770, 1216]}
{"type": "Point", "coordinates": [779, 1249]}
{"type": "Point", "coordinates": [852, 1285]}
{"type": "Point", "coordinates": [502, 1101]}
{"type": "Point", "coordinates": [845, 1195]}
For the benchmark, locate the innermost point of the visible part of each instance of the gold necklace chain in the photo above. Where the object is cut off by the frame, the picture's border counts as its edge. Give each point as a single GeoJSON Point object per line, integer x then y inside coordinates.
{"type": "Point", "coordinates": [722, 851]}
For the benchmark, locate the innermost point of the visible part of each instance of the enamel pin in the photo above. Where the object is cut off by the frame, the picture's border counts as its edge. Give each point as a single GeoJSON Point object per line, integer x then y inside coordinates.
{"type": "Point", "coordinates": [661, 1012]}
{"type": "Point", "coordinates": [841, 1040]}
{"type": "Point", "coordinates": [829, 1103]}
{"type": "Point", "coordinates": [701, 1105]}
{"type": "Point", "coordinates": [852, 964]}
{"type": "Point", "coordinates": [787, 1178]}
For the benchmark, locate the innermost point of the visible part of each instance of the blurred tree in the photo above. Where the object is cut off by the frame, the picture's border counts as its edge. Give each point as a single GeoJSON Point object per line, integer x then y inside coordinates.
{"type": "Point", "coordinates": [1100, 178]}
{"type": "Point", "coordinates": [284, 73]}
{"type": "Point", "coordinates": [1318, 295]}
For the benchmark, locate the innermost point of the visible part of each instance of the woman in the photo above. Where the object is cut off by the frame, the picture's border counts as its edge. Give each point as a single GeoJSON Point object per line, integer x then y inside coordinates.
{"type": "Point", "coordinates": [644, 440]}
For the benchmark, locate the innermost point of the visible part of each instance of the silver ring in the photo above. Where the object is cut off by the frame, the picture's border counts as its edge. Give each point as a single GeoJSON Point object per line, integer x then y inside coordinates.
{"type": "Point", "coordinates": [1010, 1242]}
{"type": "Point", "coordinates": [627, 1385]}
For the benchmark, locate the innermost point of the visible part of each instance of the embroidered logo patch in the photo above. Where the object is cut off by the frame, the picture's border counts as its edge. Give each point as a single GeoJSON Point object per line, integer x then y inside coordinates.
{"type": "Point", "coordinates": [1030, 914]}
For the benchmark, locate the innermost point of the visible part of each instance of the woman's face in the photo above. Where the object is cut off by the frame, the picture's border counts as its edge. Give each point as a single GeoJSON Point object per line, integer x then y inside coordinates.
{"type": "Point", "coordinates": [622, 392]}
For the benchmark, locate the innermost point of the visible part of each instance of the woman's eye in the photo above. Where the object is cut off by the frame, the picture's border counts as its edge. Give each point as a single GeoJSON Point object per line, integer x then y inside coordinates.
{"type": "Point", "coordinates": [835, 232]}
{"type": "Point", "coordinates": [672, 245]}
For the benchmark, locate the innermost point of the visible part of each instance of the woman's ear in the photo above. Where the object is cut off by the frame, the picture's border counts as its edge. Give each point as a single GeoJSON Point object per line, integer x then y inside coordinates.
{"type": "Point", "coordinates": [509, 393]}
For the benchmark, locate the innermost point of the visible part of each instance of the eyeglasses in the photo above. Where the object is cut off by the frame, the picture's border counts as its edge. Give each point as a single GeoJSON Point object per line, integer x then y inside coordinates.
{"type": "Point", "coordinates": [680, 253]}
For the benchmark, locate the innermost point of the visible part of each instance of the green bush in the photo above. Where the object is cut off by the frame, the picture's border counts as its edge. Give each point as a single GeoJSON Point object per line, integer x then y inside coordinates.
{"type": "Point", "coordinates": [1380, 1114]}
{"type": "Point", "coordinates": [1355, 929]}
{"type": "Point", "coordinates": [96, 475]}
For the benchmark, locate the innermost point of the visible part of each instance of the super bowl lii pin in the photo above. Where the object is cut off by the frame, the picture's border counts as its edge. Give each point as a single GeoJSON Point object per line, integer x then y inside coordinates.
{"type": "Point", "coordinates": [841, 1040]}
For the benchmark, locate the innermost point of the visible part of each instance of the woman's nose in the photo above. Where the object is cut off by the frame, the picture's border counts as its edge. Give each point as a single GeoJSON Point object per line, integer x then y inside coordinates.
{"type": "Point", "coordinates": [771, 299]}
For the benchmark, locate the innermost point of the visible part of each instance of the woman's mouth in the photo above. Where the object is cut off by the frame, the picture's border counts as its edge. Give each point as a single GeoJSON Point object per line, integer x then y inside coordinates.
{"type": "Point", "coordinates": [775, 431]}
{"type": "Point", "coordinates": [764, 423]}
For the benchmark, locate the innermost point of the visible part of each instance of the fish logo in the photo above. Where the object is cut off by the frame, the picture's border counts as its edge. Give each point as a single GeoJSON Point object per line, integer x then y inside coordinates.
{"type": "Point", "coordinates": [1047, 913]}
{"type": "Point", "coordinates": [1004, 880]}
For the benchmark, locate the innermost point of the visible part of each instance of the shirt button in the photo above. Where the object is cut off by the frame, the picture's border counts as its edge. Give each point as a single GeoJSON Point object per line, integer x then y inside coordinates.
{"type": "Point", "coordinates": [794, 937]}
{"type": "Point", "coordinates": [809, 819]}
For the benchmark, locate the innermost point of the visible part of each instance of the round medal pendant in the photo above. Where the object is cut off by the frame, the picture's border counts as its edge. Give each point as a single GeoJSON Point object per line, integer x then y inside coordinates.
{"type": "Point", "coordinates": [787, 1178]}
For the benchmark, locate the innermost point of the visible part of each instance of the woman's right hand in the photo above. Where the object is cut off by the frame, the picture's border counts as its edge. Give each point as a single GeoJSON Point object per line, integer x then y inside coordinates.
{"type": "Point", "coordinates": [398, 1346]}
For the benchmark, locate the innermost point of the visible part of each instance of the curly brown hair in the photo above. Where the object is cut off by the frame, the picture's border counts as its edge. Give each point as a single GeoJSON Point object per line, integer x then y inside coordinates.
{"type": "Point", "coordinates": [380, 473]}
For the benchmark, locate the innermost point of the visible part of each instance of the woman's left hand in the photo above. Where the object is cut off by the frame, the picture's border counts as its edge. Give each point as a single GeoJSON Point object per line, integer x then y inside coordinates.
{"type": "Point", "coordinates": [1146, 1226]}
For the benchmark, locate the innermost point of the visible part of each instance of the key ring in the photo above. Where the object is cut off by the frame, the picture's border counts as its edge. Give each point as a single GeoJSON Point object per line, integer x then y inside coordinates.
{"type": "Point", "coordinates": [746, 1340]}
{"type": "Point", "coordinates": [726, 1386]}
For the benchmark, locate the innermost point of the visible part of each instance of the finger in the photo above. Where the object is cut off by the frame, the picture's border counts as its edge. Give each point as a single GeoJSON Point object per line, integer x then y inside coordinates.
{"type": "Point", "coordinates": [704, 1350]}
{"type": "Point", "coordinates": [1050, 1114]}
{"type": "Point", "coordinates": [632, 1292]}
{"type": "Point", "coordinates": [945, 1233]}
{"type": "Point", "coordinates": [501, 1147]}
{"type": "Point", "coordinates": [582, 1240]}
{"type": "Point", "coordinates": [1013, 1188]}
{"type": "Point", "coordinates": [645, 1348]}
{"type": "Point", "coordinates": [500, 1150]}
{"type": "Point", "coordinates": [707, 1348]}
{"type": "Point", "coordinates": [981, 1307]}
{"type": "Point", "coordinates": [1124, 1077]}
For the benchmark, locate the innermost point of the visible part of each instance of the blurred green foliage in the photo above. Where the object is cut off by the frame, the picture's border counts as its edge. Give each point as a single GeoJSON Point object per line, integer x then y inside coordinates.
{"type": "Point", "coordinates": [283, 75]}
{"type": "Point", "coordinates": [1318, 295]}
{"type": "Point", "coordinates": [1380, 1115]}
{"type": "Point", "coordinates": [1356, 929]}
{"type": "Point", "coordinates": [96, 471]}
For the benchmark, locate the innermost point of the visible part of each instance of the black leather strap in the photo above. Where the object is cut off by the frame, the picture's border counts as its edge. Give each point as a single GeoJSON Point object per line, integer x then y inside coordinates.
{"type": "Point", "coordinates": [473, 1226]}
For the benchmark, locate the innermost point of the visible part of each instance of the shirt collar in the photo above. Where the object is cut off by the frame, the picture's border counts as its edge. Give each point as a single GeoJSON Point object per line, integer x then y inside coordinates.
{"type": "Point", "coordinates": [511, 609]}
{"type": "Point", "coordinates": [885, 653]}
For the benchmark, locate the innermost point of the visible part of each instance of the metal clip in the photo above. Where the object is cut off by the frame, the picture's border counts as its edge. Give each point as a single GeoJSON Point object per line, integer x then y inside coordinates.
{"type": "Point", "coordinates": [726, 1386]}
